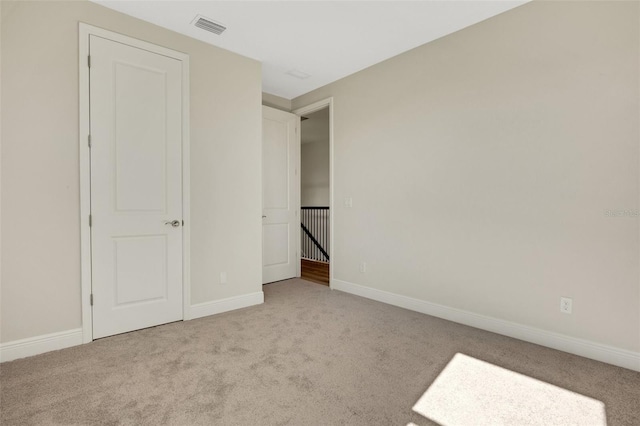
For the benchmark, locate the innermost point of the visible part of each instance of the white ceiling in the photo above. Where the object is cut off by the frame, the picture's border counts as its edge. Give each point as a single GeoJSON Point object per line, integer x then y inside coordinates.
{"type": "Point", "coordinates": [326, 40]}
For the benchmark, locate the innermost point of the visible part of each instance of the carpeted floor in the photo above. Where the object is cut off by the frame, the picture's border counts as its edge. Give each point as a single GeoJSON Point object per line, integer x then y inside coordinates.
{"type": "Point", "coordinates": [308, 356]}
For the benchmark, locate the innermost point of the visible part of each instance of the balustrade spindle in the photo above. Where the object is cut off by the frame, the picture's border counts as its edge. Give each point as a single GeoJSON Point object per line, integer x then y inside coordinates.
{"type": "Point", "coordinates": [315, 233]}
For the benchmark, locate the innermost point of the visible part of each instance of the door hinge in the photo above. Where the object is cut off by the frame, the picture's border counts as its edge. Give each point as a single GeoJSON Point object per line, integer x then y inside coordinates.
{"type": "Point", "coordinates": [91, 299]}
{"type": "Point", "coordinates": [89, 61]}
{"type": "Point", "coordinates": [183, 223]}
{"type": "Point", "coordinates": [90, 221]}
{"type": "Point", "coordinates": [89, 140]}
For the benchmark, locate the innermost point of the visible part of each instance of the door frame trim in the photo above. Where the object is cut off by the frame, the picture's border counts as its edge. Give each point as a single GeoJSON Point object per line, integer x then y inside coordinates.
{"type": "Point", "coordinates": [84, 32]}
{"type": "Point", "coordinates": [316, 106]}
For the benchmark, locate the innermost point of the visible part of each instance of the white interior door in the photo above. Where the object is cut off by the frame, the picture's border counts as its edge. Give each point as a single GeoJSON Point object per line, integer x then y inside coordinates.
{"type": "Point", "coordinates": [136, 187]}
{"type": "Point", "coordinates": [280, 194]}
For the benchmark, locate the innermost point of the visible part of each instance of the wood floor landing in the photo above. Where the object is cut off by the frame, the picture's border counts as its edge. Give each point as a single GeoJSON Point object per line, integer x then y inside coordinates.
{"type": "Point", "coordinates": [318, 272]}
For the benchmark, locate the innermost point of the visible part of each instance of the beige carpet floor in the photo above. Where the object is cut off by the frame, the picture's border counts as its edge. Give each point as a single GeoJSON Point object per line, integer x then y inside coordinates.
{"type": "Point", "coordinates": [308, 356]}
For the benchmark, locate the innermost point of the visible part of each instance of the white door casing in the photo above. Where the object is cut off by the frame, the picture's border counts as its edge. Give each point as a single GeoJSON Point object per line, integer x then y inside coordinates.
{"type": "Point", "coordinates": [136, 127]}
{"type": "Point", "coordinates": [280, 195]}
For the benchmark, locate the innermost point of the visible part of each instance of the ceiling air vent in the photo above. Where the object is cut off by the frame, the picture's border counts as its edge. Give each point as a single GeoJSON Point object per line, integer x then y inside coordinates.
{"type": "Point", "coordinates": [208, 25]}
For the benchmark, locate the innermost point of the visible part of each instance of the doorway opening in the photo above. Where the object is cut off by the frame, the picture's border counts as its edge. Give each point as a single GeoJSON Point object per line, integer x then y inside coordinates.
{"type": "Point", "coordinates": [315, 196]}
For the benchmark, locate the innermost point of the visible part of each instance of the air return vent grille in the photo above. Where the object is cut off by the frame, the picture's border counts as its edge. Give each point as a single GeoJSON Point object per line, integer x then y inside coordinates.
{"type": "Point", "coordinates": [208, 25]}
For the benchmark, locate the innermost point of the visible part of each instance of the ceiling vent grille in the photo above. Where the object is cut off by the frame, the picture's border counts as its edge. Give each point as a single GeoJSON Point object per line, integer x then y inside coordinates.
{"type": "Point", "coordinates": [208, 25]}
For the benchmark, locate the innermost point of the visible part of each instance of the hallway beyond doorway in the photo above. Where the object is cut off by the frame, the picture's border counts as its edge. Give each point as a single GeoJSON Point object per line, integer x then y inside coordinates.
{"type": "Point", "coordinates": [315, 271]}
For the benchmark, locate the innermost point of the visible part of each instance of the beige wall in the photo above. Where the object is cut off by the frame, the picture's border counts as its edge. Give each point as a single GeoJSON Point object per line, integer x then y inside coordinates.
{"type": "Point", "coordinates": [481, 166]}
{"type": "Point", "coordinates": [314, 174]}
{"type": "Point", "coordinates": [314, 159]}
{"type": "Point", "coordinates": [0, 170]}
{"type": "Point", "coordinates": [40, 290]}
{"type": "Point", "coordinates": [276, 102]}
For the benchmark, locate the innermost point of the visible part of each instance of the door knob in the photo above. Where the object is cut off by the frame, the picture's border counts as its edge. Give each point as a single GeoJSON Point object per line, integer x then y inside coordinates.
{"type": "Point", "coordinates": [263, 216]}
{"type": "Point", "coordinates": [174, 223]}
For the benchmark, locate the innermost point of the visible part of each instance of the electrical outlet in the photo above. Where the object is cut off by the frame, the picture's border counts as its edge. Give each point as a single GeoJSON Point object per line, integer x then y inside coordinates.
{"type": "Point", "coordinates": [363, 267]}
{"type": "Point", "coordinates": [566, 305]}
{"type": "Point", "coordinates": [223, 277]}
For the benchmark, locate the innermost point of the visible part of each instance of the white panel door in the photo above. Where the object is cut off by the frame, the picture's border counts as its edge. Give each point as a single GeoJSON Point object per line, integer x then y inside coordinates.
{"type": "Point", "coordinates": [136, 187]}
{"type": "Point", "coordinates": [280, 194]}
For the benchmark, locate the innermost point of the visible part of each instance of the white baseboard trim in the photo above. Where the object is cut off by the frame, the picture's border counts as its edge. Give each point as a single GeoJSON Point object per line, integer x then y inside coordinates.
{"type": "Point", "coordinates": [224, 305]}
{"type": "Point", "coordinates": [65, 339]}
{"type": "Point", "coordinates": [585, 348]}
{"type": "Point", "coordinates": [40, 344]}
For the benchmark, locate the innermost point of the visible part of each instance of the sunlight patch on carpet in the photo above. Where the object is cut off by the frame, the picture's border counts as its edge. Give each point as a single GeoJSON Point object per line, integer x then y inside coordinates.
{"type": "Point", "coordinates": [473, 392]}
